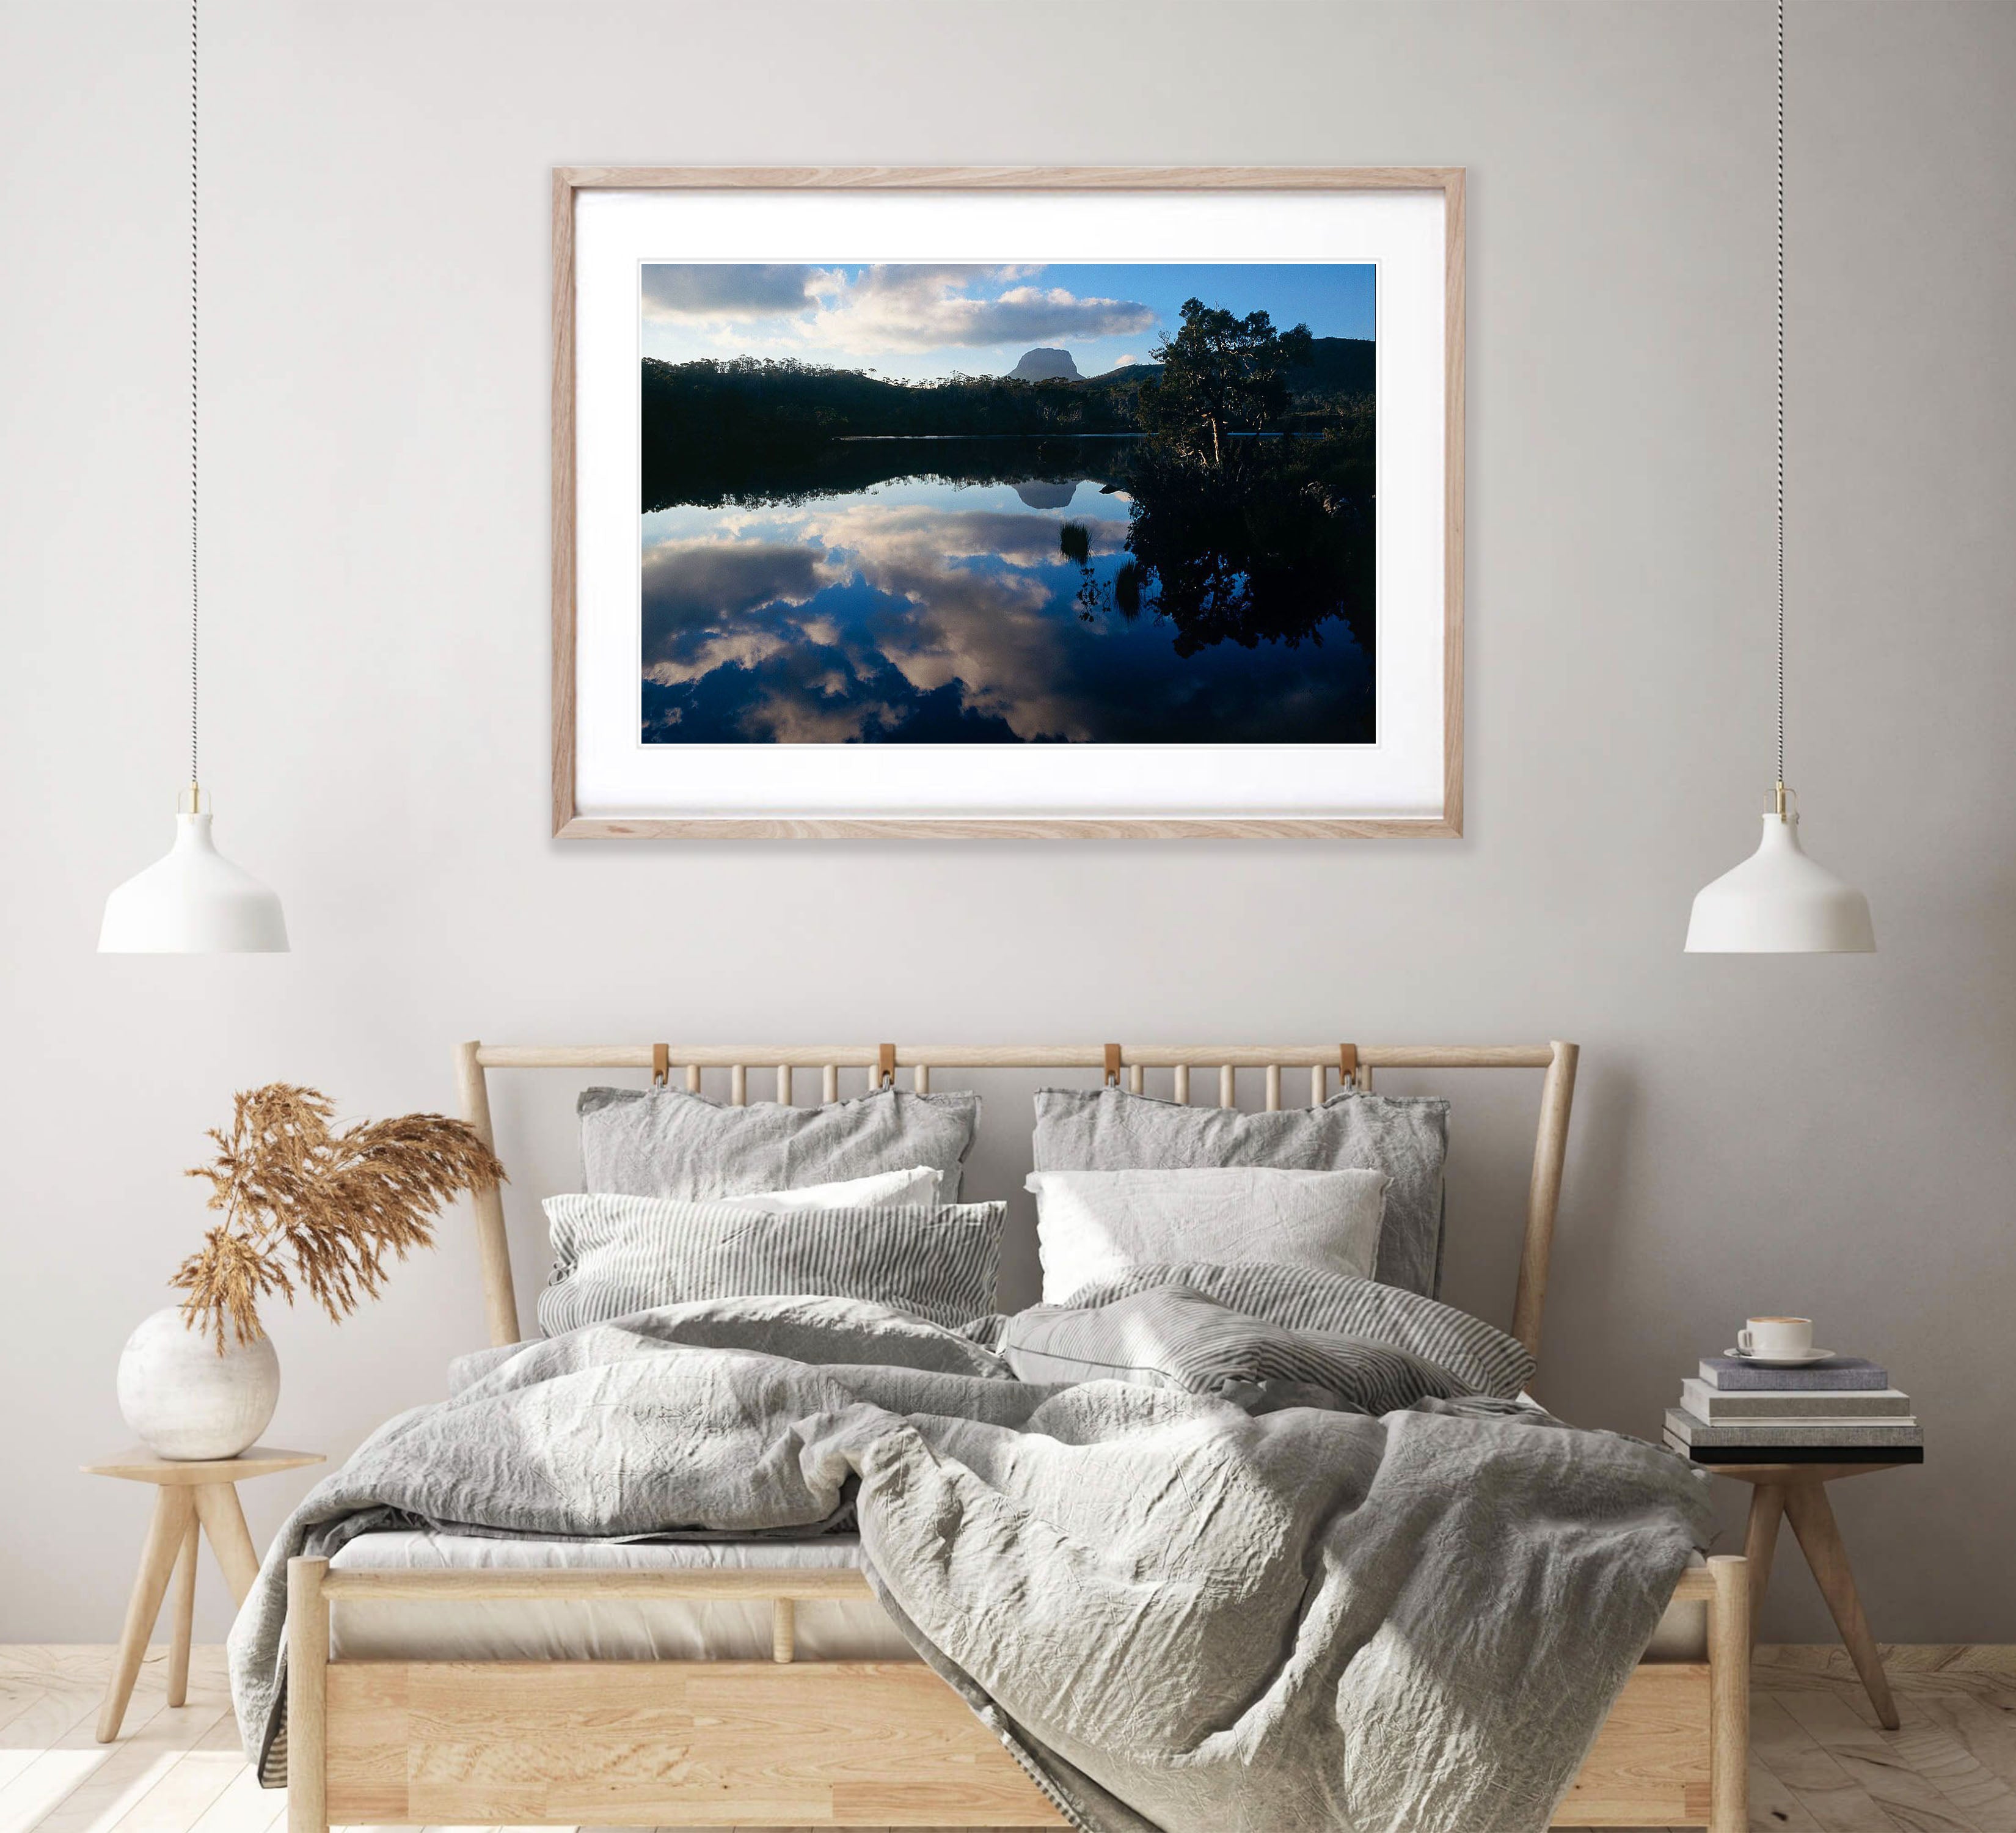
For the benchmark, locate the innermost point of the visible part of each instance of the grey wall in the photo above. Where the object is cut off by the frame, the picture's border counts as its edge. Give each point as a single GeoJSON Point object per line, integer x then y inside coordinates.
{"type": "Point", "coordinates": [1833, 1135]}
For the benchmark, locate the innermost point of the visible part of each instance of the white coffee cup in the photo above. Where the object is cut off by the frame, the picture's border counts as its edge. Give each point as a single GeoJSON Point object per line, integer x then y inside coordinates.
{"type": "Point", "coordinates": [1771, 1338]}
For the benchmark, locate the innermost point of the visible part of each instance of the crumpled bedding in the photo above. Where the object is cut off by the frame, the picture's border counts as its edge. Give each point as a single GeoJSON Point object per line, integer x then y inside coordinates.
{"type": "Point", "coordinates": [1175, 1613]}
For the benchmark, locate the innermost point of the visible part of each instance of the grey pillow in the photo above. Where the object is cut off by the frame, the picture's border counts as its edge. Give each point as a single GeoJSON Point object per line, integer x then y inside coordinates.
{"type": "Point", "coordinates": [1326, 1309]}
{"type": "Point", "coordinates": [666, 1142]}
{"type": "Point", "coordinates": [614, 1256]}
{"type": "Point", "coordinates": [1406, 1137]}
{"type": "Point", "coordinates": [1172, 1337]}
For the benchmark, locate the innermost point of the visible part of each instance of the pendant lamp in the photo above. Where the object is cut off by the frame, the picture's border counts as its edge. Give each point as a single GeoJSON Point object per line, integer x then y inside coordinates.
{"type": "Point", "coordinates": [193, 900]}
{"type": "Point", "coordinates": [1778, 901]}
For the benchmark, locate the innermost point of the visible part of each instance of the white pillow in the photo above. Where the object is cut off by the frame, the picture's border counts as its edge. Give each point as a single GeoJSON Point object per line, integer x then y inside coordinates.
{"type": "Point", "coordinates": [1095, 1225]}
{"type": "Point", "coordinates": [886, 1189]}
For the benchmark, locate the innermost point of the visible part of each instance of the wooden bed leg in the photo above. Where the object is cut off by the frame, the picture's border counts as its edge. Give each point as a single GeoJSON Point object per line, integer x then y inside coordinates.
{"type": "Point", "coordinates": [1729, 1696]}
{"type": "Point", "coordinates": [307, 1695]}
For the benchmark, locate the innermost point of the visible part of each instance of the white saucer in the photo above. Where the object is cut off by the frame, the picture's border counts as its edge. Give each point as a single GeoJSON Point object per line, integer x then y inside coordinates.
{"type": "Point", "coordinates": [1810, 1357]}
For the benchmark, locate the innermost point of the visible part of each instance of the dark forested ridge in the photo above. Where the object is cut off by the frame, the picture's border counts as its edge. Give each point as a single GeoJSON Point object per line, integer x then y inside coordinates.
{"type": "Point", "coordinates": [715, 431]}
{"type": "Point", "coordinates": [707, 423]}
{"type": "Point", "coordinates": [1336, 365]}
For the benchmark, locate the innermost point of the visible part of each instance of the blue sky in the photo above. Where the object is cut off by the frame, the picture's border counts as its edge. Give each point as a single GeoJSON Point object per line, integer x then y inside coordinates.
{"type": "Point", "coordinates": [916, 320]}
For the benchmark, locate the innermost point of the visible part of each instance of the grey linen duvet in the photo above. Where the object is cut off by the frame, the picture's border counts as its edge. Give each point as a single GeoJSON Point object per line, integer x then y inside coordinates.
{"type": "Point", "coordinates": [1176, 1613]}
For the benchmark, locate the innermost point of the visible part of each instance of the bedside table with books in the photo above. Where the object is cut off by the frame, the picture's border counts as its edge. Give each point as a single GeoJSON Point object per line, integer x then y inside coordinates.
{"type": "Point", "coordinates": [1789, 1421]}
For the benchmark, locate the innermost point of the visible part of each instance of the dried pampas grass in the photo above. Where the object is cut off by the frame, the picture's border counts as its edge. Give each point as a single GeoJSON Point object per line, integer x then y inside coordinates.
{"type": "Point", "coordinates": [304, 1205]}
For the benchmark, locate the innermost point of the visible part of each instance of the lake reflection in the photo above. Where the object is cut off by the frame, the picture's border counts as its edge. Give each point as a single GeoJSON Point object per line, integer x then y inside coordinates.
{"type": "Point", "coordinates": [953, 607]}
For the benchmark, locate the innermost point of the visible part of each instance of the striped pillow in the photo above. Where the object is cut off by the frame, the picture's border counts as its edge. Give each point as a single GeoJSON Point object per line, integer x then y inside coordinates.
{"type": "Point", "coordinates": [613, 1256]}
{"type": "Point", "coordinates": [1170, 1337]}
{"type": "Point", "coordinates": [1481, 1357]}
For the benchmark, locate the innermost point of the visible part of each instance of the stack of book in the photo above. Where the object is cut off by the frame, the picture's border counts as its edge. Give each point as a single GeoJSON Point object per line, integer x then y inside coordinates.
{"type": "Point", "coordinates": [1843, 1410]}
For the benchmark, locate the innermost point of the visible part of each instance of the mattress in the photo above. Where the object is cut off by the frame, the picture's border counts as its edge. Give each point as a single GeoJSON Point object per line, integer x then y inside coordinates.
{"type": "Point", "coordinates": [607, 1629]}
{"type": "Point", "coordinates": [670, 1629]}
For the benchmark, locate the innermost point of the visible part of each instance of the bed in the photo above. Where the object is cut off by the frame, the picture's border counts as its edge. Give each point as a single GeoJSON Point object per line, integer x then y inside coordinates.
{"type": "Point", "coordinates": [434, 1678]}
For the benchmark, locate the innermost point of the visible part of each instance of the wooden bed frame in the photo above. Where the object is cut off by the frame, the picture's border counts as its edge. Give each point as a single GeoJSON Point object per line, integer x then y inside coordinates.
{"type": "Point", "coordinates": [860, 1744]}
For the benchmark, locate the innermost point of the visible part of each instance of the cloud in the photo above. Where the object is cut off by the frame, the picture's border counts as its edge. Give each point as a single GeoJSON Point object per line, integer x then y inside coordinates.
{"type": "Point", "coordinates": [725, 290]}
{"type": "Point", "coordinates": [702, 654]}
{"type": "Point", "coordinates": [826, 711]}
{"type": "Point", "coordinates": [911, 306]}
{"type": "Point", "coordinates": [787, 701]}
{"type": "Point", "coordinates": [876, 622]}
{"type": "Point", "coordinates": [884, 534]}
{"type": "Point", "coordinates": [957, 641]}
{"type": "Point", "coordinates": [692, 588]}
{"type": "Point", "coordinates": [991, 633]}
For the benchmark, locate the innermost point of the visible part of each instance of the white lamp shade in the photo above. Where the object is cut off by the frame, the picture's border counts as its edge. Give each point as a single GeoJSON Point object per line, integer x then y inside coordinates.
{"type": "Point", "coordinates": [1778, 901]}
{"type": "Point", "coordinates": [194, 901]}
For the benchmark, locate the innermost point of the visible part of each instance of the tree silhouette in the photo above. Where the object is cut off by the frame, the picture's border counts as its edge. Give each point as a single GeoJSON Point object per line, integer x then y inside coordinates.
{"type": "Point", "coordinates": [1221, 375]}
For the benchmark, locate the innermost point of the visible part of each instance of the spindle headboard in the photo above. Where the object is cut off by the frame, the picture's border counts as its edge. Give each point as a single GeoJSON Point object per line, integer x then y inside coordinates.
{"type": "Point", "coordinates": [1354, 1064]}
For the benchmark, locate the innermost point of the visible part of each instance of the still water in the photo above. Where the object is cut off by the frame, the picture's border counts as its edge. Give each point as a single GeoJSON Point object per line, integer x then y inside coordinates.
{"type": "Point", "coordinates": [992, 599]}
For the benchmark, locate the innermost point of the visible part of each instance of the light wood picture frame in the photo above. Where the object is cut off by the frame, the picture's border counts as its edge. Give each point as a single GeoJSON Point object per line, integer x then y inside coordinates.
{"type": "Point", "coordinates": [603, 784]}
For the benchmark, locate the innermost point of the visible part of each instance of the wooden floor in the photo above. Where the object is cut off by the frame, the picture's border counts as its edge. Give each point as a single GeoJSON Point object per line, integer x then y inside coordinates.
{"type": "Point", "coordinates": [1821, 1765]}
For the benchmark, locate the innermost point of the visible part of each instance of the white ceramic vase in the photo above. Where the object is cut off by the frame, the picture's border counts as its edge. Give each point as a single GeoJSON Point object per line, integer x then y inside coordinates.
{"type": "Point", "coordinates": [186, 1401]}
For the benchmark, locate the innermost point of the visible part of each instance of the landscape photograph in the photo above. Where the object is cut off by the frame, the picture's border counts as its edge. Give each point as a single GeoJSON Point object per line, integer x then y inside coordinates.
{"type": "Point", "coordinates": [1075, 503]}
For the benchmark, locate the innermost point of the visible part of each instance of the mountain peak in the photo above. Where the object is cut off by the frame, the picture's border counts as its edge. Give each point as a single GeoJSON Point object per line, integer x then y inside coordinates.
{"type": "Point", "coordinates": [1042, 365]}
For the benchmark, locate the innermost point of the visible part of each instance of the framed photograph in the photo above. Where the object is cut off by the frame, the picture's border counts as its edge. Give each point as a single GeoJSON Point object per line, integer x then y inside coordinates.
{"type": "Point", "coordinates": [1025, 503]}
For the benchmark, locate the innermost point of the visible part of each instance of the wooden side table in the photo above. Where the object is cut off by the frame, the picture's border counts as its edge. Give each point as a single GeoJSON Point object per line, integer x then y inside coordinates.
{"type": "Point", "coordinates": [190, 1498]}
{"type": "Point", "coordinates": [1797, 1492]}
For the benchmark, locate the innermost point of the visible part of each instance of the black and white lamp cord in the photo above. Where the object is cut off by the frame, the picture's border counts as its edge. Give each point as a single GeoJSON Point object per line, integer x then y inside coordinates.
{"type": "Point", "coordinates": [195, 601]}
{"type": "Point", "coordinates": [1781, 402]}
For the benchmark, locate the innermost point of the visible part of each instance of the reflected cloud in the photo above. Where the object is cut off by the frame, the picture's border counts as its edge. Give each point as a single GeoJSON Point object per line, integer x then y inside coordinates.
{"type": "Point", "coordinates": [887, 532]}
{"type": "Point", "coordinates": [992, 630]}
{"type": "Point", "coordinates": [690, 583]}
{"type": "Point", "coordinates": [692, 589]}
{"type": "Point", "coordinates": [860, 619]}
